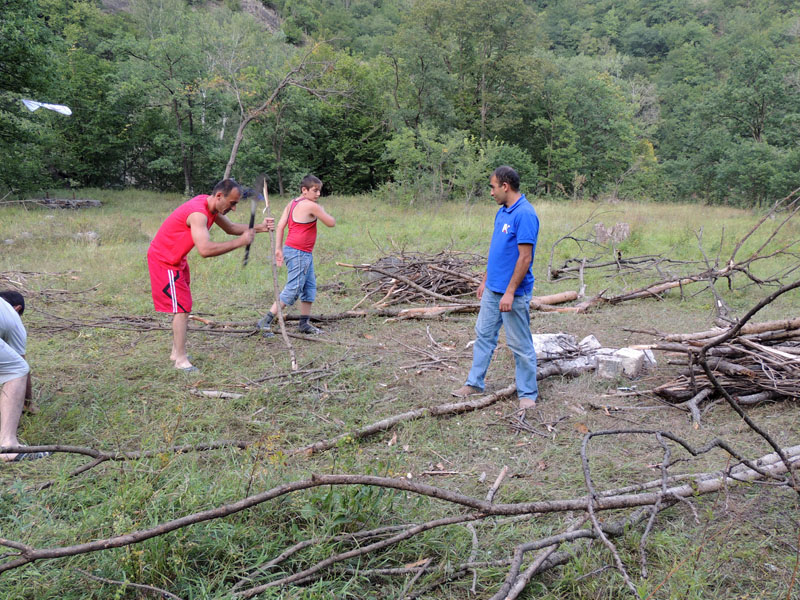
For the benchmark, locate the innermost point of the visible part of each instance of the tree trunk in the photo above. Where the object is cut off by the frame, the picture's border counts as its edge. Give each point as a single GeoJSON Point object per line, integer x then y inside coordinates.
{"type": "Point", "coordinates": [187, 178]}
{"type": "Point", "coordinates": [236, 143]}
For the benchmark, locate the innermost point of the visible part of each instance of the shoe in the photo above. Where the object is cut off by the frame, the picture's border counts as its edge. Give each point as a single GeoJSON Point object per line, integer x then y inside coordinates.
{"type": "Point", "coordinates": [526, 403]}
{"type": "Point", "coordinates": [466, 390]}
{"type": "Point", "coordinates": [263, 323]}
{"type": "Point", "coordinates": [267, 333]}
{"type": "Point", "coordinates": [30, 456]}
{"type": "Point", "coordinates": [309, 329]}
{"type": "Point", "coordinates": [190, 370]}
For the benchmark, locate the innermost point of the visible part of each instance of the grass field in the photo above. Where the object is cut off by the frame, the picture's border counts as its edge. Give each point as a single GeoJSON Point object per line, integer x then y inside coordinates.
{"type": "Point", "coordinates": [105, 384]}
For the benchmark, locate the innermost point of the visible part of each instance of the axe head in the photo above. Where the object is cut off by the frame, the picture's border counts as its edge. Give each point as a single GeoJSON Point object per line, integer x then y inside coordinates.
{"type": "Point", "coordinates": [259, 186]}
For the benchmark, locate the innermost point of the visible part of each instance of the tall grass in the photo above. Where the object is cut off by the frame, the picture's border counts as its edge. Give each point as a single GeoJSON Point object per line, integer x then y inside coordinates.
{"type": "Point", "coordinates": [114, 389]}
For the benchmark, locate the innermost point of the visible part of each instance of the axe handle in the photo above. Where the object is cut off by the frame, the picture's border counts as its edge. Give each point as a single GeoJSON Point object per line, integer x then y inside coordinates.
{"type": "Point", "coordinates": [247, 248]}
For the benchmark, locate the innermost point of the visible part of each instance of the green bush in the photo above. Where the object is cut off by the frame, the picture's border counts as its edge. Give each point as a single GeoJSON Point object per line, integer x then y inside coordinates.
{"type": "Point", "coordinates": [431, 166]}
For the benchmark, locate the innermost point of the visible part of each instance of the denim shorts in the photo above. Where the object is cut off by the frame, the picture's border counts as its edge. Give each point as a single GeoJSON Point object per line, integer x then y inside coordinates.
{"type": "Point", "coordinates": [302, 282]}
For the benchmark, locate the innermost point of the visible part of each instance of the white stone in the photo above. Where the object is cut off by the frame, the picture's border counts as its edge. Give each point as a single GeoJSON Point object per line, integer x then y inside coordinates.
{"type": "Point", "coordinates": [609, 367]}
{"type": "Point", "coordinates": [552, 345]}
{"type": "Point", "coordinates": [87, 236]}
{"type": "Point", "coordinates": [589, 344]}
{"type": "Point", "coordinates": [632, 361]}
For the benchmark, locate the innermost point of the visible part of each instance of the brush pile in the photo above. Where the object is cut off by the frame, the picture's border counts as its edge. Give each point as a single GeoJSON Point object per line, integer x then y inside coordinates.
{"type": "Point", "coordinates": [761, 363]}
{"type": "Point", "coordinates": [416, 277]}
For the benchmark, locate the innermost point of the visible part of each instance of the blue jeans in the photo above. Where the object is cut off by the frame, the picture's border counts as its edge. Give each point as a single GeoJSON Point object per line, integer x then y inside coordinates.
{"type": "Point", "coordinates": [518, 337]}
{"type": "Point", "coordinates": [302, 282]}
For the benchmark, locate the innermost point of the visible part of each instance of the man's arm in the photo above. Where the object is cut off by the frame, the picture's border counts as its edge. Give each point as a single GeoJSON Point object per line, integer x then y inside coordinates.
{"type": "Point", "coordinates": [231, 228]}
{"type": "Point", "coordinates": [320, 213]}
{"type": "Point", "coordinates": [202, 241]}
{"type": "Point", "coordinates": [520, 269]}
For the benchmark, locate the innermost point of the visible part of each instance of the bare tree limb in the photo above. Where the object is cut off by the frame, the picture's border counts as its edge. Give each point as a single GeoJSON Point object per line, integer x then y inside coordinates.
{"type": "Point", "coordinates": [126, 584]}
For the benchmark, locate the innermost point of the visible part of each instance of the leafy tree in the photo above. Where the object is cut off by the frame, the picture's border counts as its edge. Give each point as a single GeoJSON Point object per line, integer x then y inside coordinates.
{"type": "Point", "coordinates": [165, 54]}
{"type": "Point", "coordinates": [27, 48]}
{"type": "Point", "coordinates": [483, 41]}
{"type": "Point", "coordinates": [419, 88]}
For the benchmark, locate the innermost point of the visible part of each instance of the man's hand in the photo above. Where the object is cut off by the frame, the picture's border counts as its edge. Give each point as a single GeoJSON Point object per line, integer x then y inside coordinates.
{"type": "Point", "coordinates": [247, 237]}
{"type": "Point", "coordinates": [506, 301]}
{"type": "Point", "coordinates": [279, 257]}
{"type": "Point", "coordinates": [481, 287]}
{"type": "Point", "coordinates": [268, 224]}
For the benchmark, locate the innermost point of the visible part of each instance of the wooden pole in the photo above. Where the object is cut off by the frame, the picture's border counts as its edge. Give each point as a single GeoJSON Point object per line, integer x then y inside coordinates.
{"type": "Point", "coordinates": [276, 291]}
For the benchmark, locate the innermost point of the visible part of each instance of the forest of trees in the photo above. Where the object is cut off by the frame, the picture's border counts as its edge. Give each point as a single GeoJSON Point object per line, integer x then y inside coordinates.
{"type": "Point", "coordinates": [415, 100]}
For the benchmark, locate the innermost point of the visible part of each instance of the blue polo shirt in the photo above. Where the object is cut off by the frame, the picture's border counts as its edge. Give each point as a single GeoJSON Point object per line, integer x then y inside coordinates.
{"type": "Point", "coordinates": [517, 224]}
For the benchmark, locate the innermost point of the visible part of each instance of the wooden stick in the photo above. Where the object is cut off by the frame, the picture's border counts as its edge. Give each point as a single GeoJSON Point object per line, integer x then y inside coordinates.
{"type": "Point", "coordinates": [275, 282]}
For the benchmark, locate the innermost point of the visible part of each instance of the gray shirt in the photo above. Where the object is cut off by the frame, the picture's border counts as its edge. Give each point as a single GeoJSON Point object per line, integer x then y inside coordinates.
{"type": "Point", "coordinates": [12, 331]}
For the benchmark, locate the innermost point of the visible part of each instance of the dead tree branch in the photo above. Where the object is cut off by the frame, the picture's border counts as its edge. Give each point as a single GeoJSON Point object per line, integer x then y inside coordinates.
{"type": "Point", "coordinates": [128, 584]}
{"type": "Point", "coordinates": [772, 465]}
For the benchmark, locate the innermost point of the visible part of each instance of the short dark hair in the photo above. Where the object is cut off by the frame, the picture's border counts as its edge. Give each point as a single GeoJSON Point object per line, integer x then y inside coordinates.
{"type": "Point", "coordinates": [506, 174]}
{"type": "Point", "coordinates": [310, 181]}
{"type": "Point", "coordinates": [226, 186]}
{"type": "Point", "coordinates": [14, 298]}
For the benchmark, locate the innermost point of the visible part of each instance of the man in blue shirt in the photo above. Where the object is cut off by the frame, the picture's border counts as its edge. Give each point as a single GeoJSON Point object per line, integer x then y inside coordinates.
{"type": "Point", "coordinates": [505, 291]}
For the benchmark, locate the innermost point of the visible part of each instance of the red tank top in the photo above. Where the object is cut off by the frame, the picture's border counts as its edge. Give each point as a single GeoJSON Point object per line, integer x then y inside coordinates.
{"type": "Point", "coordinates": [174, 238]}
{"type": "Point", "coordinates": [302, 236]}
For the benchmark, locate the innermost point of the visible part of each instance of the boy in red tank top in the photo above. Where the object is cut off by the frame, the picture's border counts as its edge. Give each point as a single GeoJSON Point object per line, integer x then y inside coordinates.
{"type": "Point", "coordinates": [301, 216]}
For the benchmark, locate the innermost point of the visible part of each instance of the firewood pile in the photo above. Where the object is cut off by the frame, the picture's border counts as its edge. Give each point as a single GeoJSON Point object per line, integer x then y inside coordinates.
{"type": "Point", "coordinates": [761, 363]}
{"type": "Point", "coordinates": [416, 277]}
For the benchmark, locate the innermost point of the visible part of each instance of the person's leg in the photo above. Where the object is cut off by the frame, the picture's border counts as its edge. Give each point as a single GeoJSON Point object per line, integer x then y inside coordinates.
{"type": "Point", "coordinates": [307, 297]}
{"type": "Point", "coordinates": [517, 324]}
{"type": "Point", "coordinates": [265, 322]}
{"type": "Point", "coordinates": [487, 329]}
{"type": "Point", "coordinates": [291, 290]}
{"type": "Point", "coordinates": [172, 294]}
{"type": "Point", "coordinates": [12, 397]}
{"type": "Point", "coordinates": [180, 325]}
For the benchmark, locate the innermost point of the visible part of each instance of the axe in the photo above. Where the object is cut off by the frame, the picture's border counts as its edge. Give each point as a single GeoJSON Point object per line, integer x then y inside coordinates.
{"type": "Point", "coordinates": [252, 195]}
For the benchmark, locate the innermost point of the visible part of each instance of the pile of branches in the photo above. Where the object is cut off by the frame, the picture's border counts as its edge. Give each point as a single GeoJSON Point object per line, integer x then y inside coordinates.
{"type": "Point", "coordinates": [760, 362]}
{"type": "Point", "coordinates": [416, 277]}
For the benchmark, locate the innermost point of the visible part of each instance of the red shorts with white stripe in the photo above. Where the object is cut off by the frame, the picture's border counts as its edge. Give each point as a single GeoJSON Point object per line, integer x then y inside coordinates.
{"type": "Point", "coordinates": [170, 287]}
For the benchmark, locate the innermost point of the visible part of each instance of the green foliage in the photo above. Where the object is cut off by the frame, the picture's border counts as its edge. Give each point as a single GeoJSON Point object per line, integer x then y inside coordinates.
{"type": "Point", "coordinates": [665, 100]}
{"type": "Point", "coordinates": [430, 166]}
{"type": "Point", "coordinates": [27, 52]}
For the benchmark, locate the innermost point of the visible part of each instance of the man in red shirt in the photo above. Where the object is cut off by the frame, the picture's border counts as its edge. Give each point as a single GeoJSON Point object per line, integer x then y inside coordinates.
{"type": "Point", "coordinates": [186, 228]}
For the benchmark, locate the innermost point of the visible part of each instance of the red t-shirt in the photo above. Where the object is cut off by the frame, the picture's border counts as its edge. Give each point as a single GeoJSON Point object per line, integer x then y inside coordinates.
{"type": "Point", "coordinates": [174, 238]}
{"type": "Point", "coordinates": [302, 236]}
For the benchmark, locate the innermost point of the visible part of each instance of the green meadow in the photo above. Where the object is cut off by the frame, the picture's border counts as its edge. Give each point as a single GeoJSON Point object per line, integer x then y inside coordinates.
{"type": "Point", "coordinates": [103, 380]}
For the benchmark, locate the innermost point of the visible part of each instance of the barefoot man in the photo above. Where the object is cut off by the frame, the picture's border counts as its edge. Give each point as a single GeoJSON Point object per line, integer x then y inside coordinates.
{"type": "Point", "coordinates": [186, 228]}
